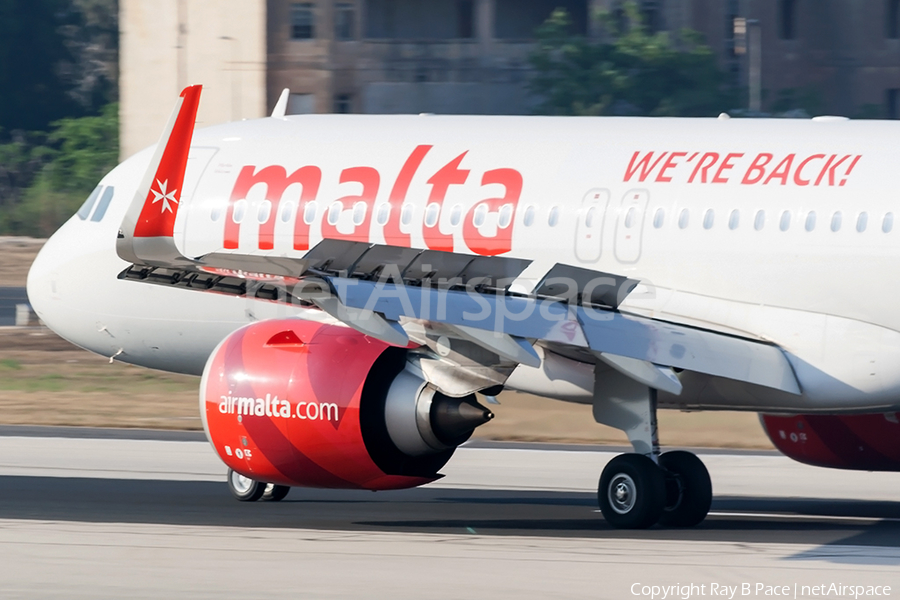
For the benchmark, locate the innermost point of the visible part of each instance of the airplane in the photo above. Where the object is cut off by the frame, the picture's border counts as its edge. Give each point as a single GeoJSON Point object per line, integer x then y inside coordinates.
{"type": "Point", "coordinates": [350, 288]}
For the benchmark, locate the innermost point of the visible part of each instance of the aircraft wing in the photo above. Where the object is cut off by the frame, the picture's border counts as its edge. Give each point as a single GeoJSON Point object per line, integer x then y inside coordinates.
{"type": "Point", "coordinates": [377, 289]}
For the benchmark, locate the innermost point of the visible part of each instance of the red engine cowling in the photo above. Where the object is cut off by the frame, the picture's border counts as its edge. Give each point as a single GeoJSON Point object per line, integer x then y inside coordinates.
{"type": "Point", "coordinates": [299, 403]}
{"type": "Point", "coordinates": [863, 442]}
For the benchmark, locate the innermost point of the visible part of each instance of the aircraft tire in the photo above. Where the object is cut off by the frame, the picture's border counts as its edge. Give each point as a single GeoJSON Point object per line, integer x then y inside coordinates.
{"type": "Point", "coordinates": [244, 488]}
{"type": "Point", "coordinates": [275, 493]}
{"type": "Point", "coordinates": [689, 489]}
{"type": "Point", "coordinates": [632, 492]}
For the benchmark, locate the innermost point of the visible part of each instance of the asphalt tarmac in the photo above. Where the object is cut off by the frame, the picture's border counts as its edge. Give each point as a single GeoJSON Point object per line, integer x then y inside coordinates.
{"type": "Point", "coordinates": [108, 516]}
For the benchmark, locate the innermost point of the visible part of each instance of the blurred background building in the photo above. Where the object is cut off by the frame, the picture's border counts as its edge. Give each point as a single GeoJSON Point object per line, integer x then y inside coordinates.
{"type": "Point", "coordinates": [843, 55]}
{"type": "Point", "coordinates": [470, 56]}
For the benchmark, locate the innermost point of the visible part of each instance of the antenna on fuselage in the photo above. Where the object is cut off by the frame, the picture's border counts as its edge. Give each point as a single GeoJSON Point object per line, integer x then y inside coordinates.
{"type": "Point", "coordinates": [281, 106]}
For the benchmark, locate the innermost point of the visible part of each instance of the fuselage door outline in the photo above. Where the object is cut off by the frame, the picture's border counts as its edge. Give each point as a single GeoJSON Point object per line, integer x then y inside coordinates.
{"type": "Point", "coordinates": [591, 221]}
{"type": "Point", "coordinates": [630, 226]}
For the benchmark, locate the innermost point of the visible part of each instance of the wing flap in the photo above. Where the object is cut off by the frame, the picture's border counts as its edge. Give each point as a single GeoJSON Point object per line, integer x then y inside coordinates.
{"type": "Point", "coordinates": [603, 331]}
{"type": "Point", "coordinates": [683, 347]}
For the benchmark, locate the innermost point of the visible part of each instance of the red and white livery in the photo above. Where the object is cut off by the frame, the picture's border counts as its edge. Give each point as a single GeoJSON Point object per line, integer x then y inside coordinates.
{"type": "Point", "coordinates": [347, 286]}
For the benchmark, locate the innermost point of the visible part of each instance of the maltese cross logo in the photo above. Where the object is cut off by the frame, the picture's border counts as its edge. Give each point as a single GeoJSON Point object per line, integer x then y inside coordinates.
{"type": "Point", "coordinates": [166, 197]}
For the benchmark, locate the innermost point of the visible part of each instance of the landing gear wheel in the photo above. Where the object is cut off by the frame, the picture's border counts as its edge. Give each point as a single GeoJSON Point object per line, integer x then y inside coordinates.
{"type": "Point", "coordinates": [275, 493]}
{"type": "Point", "coordinates": [244, 488]}
{"type": "Point", "coordinates": [632, 492]}
{"type": "Point", "coordinates": [689, 489]}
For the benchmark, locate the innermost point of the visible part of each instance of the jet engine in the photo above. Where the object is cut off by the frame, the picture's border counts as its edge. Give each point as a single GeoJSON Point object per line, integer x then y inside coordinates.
{"type": "Point", "coordinates": [298, 403]}
{"type": "Point", "coordinates": [868, 442]}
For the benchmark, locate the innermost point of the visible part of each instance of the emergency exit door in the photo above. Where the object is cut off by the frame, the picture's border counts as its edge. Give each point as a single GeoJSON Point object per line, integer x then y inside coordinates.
{"type": "Point", "coordinates": [630, 226]}
{"type": "Point", "coordinates": [589, 233]}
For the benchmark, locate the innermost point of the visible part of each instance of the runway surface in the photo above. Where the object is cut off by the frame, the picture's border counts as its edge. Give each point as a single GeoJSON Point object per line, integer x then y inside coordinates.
{"type": "Point", "coordinates": [106, 516]}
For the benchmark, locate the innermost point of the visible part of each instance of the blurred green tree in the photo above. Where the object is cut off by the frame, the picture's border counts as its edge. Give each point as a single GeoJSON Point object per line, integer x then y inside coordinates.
{"type": "Point", "coordinates": [58, 58]}
{"type": "Point", "coordinates": [45, 177]}
{"type": "Point", "coordinates": [58, 63]}
{"type": "Point", "coordinates": [629, 71]}
{"type": "Point", "coordinates": [85, 149]}
{"type": "Point", "coordinates": [32, 92]}
{"type": "Point", "coordinates": [92, 39]}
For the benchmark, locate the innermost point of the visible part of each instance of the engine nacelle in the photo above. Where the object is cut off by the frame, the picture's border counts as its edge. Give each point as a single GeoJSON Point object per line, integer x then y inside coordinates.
{"type": "Point", "coordinates": [299, 403]}
{"type": "Point", "coordinates": [863, 442]}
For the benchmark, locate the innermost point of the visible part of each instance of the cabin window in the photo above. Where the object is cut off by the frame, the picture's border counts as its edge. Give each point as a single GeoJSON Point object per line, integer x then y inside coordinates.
{"type": "Point", "coordinates": [684, 218]}
{"type": "Point", "coordinates": [287, 209]}
{"type": "Point", "coordinates": [480, 215]}
{"type": "Point", "coordinates": [506, 212]}
{"type": "Point", "coordinates": [659, 218]}
{"type": "Point", "coordinates": [888, 223]}
{"type": "Point", "coordinates": [734, 219]}
{"type": "Point", "coordinates": [85, 209]}
{"type": "Point", "coordinates": [629, 217]}
{"type": "Point", "coordinates": [334, 212]}
{"type": "Point", "coordinates": [309, 213]}
{"type": "Point", "coordinates": [811, 220]}
{"type": "Point", "coordinates": [264, 211]}
{"type": "Point", "coordinates": [455, 215]}
{"type": "Point", "coordinates": [785, 222]}
{"type": "Point", "coordinates": [359, 213]}
{"type": "Point", "coordinates": [836, 220]}
{"type": "Point", "coordinates": [760, 221]}
{"type": "Point", "coordinates": [589, 217]}
{"type": "Point", "coordinates": [383, 213]}
{"type": "Point", "coordinates": [240, 209]}
{"type": "Point", "coordinates": [862, 222]}
{"type": "Point", "coordinates": [406, 214]}
{"type": "Point", "coordinates": [215, 214]}
{"type": "Point", "coordinates": [553, 217]}
{"type": "Point", "coordinates": [528, 219]}
{"type": "Point", "coordinates": [432, 213]}
{"type": "Point", "coordinates": [105, 199]}
{"type": "Point", "coordinates": [709, 219]}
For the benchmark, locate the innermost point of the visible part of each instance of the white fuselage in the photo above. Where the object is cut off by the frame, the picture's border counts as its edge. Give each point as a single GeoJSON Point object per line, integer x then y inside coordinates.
{"type": "Point", "coordinates": [770, 229]}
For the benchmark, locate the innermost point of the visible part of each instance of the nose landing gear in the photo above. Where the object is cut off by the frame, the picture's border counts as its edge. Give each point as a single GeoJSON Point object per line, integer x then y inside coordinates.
{"type": "Point", "coordinates": [244, 488]}
{"type": "Point", "coordinates": [250, 490]}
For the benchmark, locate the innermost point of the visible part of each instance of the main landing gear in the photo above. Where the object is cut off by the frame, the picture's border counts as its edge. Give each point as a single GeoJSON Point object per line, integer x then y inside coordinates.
{"type": "Point", "coordinates": [250, 490]}
{"type": "Point", "coordinates": [641, 489]}
{"type": "Point", "coordinates": [636, 493]}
